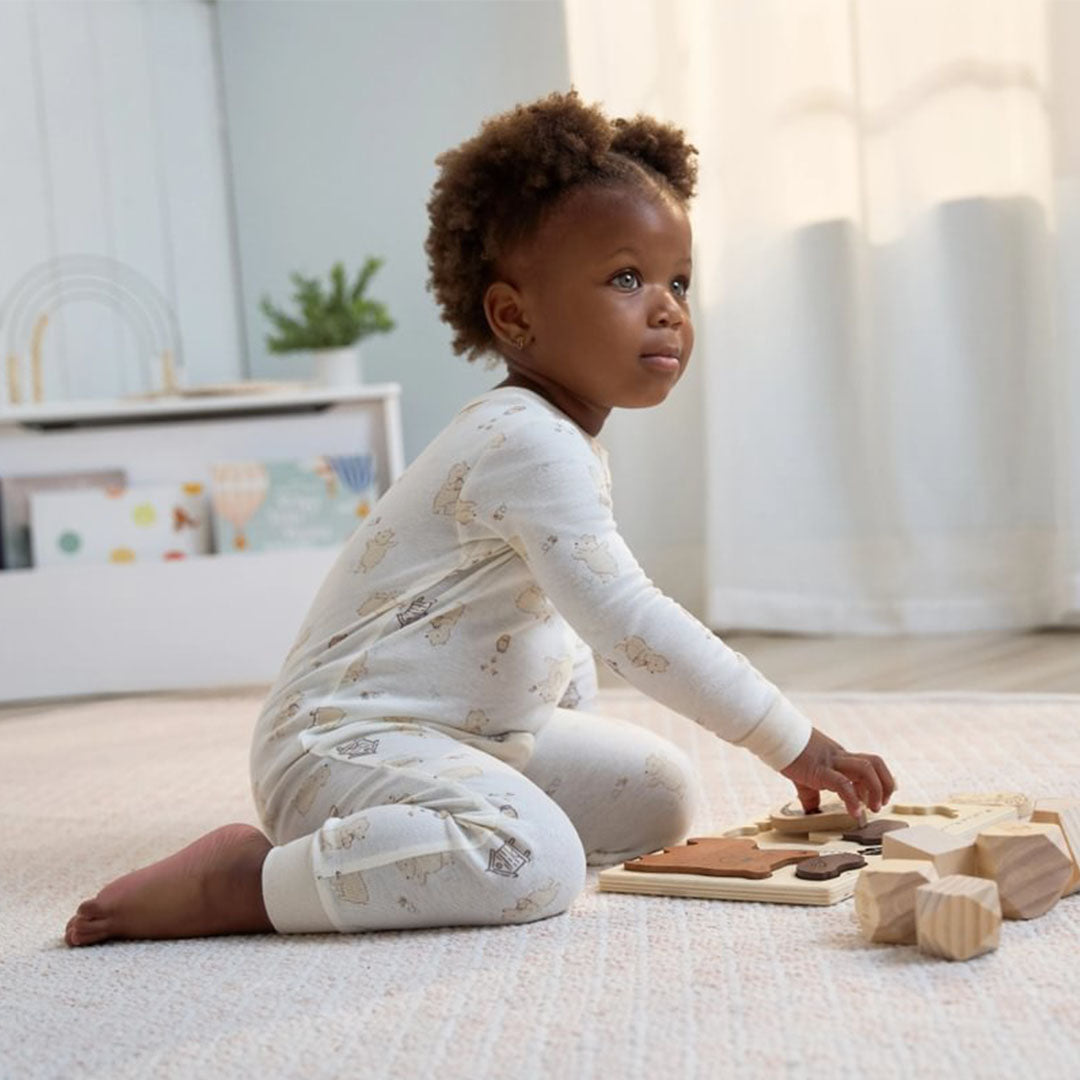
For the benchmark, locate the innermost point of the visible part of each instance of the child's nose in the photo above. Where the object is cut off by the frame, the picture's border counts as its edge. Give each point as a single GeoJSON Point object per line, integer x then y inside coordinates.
{"type": "Point", "coordinates": [667, 311]}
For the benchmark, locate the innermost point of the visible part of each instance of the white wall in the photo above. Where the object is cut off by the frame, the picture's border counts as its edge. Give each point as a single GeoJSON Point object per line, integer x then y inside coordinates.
{"type": "Point", "coordinates": [336, 114]}
{"type": "Point", "coordinates": [111, 145]}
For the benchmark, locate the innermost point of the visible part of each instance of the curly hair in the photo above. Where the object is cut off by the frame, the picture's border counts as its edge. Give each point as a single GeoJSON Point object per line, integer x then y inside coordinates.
{"type": "Point", "coordinates": [494, 189]}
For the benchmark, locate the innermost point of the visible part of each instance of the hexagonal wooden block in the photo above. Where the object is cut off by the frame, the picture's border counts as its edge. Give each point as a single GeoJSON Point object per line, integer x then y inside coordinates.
{"type": "Point", "coordinates": [958, 916]}
{"type": "Point", "coordinates": [885, 899]}
{"type": "Point", "coordinates": [1030, 862]}
{"type": "Point", "coordinates": [1065, 814]}
{"type": "Point", "coordinates": [949, 854]}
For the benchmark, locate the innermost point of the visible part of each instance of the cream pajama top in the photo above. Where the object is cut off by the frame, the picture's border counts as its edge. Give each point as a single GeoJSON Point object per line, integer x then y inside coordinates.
{"type": "Point", "coordinates": [455, 604]}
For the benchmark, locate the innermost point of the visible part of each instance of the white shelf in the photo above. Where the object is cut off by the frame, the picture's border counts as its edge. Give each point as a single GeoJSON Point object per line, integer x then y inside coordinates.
{"type": "Point", "coordinates": [217, 620]}
{"type": "Point", "coordinates": [278, 397]}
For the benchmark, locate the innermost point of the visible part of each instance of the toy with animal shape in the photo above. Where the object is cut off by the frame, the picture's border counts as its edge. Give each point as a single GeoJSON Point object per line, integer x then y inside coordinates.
{"type": "Point", "coordinates": [1030, 862]}
{"type": "Point", "coordinates": [832, 815]}
{"type": "Point", "coordinates": [719, 857]}
{"type": "Point", "coordinates": [827, 867]}
{"type": "Point", "coordinates": [1015, 799]}
{"type": "Point", "coordinates": [958, 917]}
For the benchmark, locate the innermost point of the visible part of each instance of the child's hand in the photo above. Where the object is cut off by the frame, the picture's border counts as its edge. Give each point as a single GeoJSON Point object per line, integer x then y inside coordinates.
{"type": "Point", "coordinates": [859, 779]}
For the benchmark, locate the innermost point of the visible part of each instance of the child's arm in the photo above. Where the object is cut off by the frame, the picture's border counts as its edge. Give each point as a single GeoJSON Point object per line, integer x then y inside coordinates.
{"type": "Point", "coordinates": [542, 490]}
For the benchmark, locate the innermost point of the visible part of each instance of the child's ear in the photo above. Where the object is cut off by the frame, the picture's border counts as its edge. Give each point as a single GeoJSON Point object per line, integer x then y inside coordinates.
{"type": "Point", "coordinates": [505, 313]}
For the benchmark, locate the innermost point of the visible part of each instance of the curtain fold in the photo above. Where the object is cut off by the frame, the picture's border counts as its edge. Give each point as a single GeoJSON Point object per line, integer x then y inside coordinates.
{"type": "Point", "coordinates": [887, 262]}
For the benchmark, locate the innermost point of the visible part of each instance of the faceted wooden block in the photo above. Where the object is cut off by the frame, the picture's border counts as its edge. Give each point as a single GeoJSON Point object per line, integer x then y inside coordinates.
{"type": "Point", "coordinates": [949, 854]}
{"type": "Point", "coordinates": [958, 916]}
{"type": "Point", "coordinates": [1065, 814]}
{"type": "Point", "coordinates": [1030, 862]}
{"type": "Point", "coordinates": [885, 899]}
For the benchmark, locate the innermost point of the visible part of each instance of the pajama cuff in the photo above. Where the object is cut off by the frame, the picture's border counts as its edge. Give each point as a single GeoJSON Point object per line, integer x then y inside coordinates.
{"type": "Point", "coordinates": [289, 890]}
{"type": "Point", "coordinates": [781, 736]}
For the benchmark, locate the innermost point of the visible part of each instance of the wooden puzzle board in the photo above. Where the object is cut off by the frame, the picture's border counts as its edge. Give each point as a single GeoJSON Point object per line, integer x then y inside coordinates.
{"type": "Point", "coordinates": [782, 886]}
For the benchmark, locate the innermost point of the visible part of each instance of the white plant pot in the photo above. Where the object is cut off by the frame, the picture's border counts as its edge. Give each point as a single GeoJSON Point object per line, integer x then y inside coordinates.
{"type": "Point", "coordinates": [337, 367]}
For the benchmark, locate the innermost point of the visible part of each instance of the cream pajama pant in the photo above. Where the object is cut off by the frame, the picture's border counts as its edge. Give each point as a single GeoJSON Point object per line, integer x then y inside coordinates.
{"type": "Point", "coordinates": [399, 825]}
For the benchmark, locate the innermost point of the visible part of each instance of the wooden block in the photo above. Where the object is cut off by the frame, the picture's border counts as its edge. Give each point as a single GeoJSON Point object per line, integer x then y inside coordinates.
{"type": "Point", "coordinates": [958, 917]}
{"type": "Point", "coordinates": [1030, 862]}
{"type": "Point", "coordinates": [791, 818]}
{"type": "Point", "coordinates": [949, 854]}
{"type": "Point", "coordinates": [717, 856]}
{"type": "Point", "coordinates": [1016, 799]}
{"type": "Point", "coordinates": [885, 899]}
{"type": "Point", "coordinates": [924, 810]}
{"type": "Point", "coordinates": [1065, 814]}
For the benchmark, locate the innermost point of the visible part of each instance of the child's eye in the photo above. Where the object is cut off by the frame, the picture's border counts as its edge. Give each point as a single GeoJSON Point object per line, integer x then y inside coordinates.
{"type": "Point", "coordinates": [681, 286]}
{"type": "Point", "coordinates": [626, 279]}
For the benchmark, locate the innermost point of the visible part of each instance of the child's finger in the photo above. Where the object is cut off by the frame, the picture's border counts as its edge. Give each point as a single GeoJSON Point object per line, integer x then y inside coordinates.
{"type": "Point", "coordinates": [866, 779]}
{"type": "Point", "coordinates": [888, 784]}
{"type": "Point", "coordinates": [838, 782]}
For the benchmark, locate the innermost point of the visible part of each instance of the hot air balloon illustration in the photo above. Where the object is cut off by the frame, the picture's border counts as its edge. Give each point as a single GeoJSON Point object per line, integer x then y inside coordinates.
{"type": "Point", "coordinates": [356, 472]}
{"type": "Point", "coordinates": [239, 490]}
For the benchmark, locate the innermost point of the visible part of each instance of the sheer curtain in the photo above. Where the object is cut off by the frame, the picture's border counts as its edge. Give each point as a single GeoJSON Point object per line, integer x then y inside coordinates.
{"type": "Point", "coordinates": [887, 285]}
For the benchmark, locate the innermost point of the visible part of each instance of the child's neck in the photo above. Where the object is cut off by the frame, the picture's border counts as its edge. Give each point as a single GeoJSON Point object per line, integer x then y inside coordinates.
{"type": "Point", "coordinates": [590, 418]}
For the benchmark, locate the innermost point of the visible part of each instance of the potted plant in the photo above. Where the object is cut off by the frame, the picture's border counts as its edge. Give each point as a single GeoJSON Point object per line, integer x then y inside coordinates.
{"type": "Point", "coordinates": [331, 322]}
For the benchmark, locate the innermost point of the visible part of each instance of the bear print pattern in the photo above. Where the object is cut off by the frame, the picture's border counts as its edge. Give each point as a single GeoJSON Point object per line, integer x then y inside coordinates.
{"type": "Point", "coordinates": [597, 557]}
{"type": "Point", "coordinates": [640, 655]}
{"type": "Point", "coordinates": [442, 626]}
{"type": "Point", "coordinates": [448, 499]}
{"type": "Point", "coordinates": [375, 551]}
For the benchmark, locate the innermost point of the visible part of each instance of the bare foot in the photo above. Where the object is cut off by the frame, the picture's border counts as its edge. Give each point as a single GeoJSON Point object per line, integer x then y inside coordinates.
{"type": "Point", "coordinates": [213, 886]}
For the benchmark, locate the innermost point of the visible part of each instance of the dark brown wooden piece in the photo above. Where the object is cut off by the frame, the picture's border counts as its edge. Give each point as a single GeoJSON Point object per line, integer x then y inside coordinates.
{"type": "Point", "coordinates": [717, 856]}
{"type": "Point", "coordinates": [872, 832]}
{"type": "Point", "coordinates": [825, 867]}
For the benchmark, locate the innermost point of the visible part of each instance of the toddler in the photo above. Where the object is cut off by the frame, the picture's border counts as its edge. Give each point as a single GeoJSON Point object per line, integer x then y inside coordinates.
{"type": "Point", "coordinates": [426, 756]}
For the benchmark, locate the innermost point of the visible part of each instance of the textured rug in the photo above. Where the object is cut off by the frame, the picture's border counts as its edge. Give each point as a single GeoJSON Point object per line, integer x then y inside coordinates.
{"type": "Point", "coordinates": [622, 986]}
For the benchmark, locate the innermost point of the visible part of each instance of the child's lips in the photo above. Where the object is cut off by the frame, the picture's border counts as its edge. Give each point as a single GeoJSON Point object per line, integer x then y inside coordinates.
{"type": "Point", "coordinates": [664, 362]}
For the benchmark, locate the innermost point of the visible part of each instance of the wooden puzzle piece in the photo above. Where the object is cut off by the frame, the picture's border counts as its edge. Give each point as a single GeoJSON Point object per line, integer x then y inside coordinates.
{"type": "Point", "coordinates": [791, 818]}
{"type": "Point", "coordinates": [925, 810]}
{"type": "Point", "coordinates": [1015, 799]}
{"type": "Point", "coordinates": [871, 833]}
{"type": "Point", "coordinates": [826, 867]}
{"type": "Point", "coordinates": [717, 856]}
{"type": "Point", "coordinates": [783, 886]}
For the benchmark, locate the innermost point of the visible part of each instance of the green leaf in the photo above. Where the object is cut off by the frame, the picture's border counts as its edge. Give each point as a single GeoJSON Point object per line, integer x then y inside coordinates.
{"type": "Point", "coordinates": [327, 317]}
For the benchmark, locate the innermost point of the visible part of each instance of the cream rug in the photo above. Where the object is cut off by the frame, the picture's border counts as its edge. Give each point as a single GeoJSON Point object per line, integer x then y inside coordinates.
{"type": "Point", "coordinates": [622, 986]}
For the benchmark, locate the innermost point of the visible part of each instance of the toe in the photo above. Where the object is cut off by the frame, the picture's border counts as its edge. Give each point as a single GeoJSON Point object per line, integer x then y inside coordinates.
{"type": "Point", "coordinates": [86, 931]}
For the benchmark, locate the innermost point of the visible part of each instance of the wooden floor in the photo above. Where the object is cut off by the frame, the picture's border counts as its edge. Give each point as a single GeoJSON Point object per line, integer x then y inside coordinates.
{"type": "Point", "coordinates": [1041, 662]}
{"type": "Point", "coordinates": [1046, 662]}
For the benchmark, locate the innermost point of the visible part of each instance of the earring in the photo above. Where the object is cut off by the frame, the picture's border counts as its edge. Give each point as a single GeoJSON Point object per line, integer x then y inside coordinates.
{"type": "Point", "coordinates": [519, 341]}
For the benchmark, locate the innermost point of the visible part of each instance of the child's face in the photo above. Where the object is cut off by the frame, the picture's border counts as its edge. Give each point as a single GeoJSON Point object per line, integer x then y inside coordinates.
{"type": "Point", "coordinates": [603, 291]}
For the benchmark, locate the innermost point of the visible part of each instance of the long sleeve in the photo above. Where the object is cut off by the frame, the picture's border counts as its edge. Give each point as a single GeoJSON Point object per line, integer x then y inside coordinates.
{"type": "Point", "coordinates": [544, 490]}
